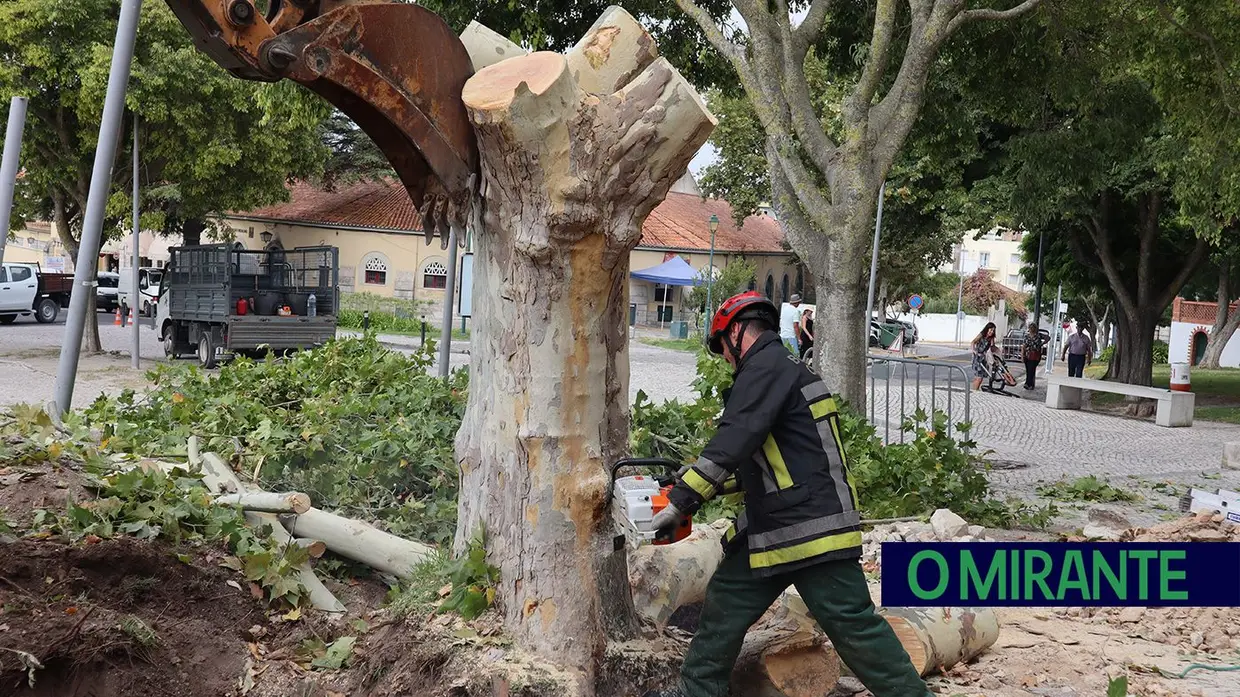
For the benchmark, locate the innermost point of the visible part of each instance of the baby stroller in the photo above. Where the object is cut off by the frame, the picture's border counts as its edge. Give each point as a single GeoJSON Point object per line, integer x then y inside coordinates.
{"type": "Point", "coordinates": [997, 373]}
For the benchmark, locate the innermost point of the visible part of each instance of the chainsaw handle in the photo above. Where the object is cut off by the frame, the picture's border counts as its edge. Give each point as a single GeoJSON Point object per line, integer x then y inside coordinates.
{"type": "Point", "coordinates": [662, 462]}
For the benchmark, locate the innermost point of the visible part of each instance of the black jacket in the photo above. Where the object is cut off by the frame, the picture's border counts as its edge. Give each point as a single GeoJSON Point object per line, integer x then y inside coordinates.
{"type": "Point", "coordinates": [779, 436]}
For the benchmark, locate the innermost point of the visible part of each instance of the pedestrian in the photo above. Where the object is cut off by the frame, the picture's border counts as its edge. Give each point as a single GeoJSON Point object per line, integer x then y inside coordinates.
{"type": "Point", "coordinates": [806, 337]}
{"type": "Point", "coordinates": [778, 440]}
{"type": "Point", "coordinates": [983, 346]}
{"type": "Point", "coordinates": [1079, 350]}
{"type": "Point", "coordinates": [1031, 351]}
{"type": "Point", "coordinates": [790, 323]}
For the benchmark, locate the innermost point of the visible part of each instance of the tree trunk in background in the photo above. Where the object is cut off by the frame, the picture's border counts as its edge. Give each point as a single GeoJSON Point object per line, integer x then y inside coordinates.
{"type": "Point", "coordinates": [60, 220]}
{"type": "Point", "coordinates": [1225, 323]}
{"type": "Point", "coordinates": [576, 151]}
{"type": "Point", "coordinates": [191, 231]}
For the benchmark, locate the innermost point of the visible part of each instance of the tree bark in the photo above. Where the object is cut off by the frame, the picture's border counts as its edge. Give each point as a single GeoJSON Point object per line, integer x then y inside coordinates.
{"type": "Point", "coordinates": [1225, 322]}
{"type": "Point", "coordinates": [576, 151]}
{"type": "Point", "coordinates": [60, 219]}
{"type": "Point", "coordinates": [938, 638]}
{"type": "Point", "coordinates": [667, 577]}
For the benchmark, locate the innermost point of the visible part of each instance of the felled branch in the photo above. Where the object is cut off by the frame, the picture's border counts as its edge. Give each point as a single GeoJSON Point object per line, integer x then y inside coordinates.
{"type": "Point", "coordinates": [267, 502]}
{"type": "Point", "coordinates": [358, 541]}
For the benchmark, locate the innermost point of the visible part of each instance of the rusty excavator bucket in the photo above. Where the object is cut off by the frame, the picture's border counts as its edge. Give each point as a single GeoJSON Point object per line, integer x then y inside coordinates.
{"type": "Point", "coordinates": [397, 70]}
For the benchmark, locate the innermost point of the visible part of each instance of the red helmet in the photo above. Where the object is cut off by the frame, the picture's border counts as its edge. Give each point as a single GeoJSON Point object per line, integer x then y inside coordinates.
{"type": "Point", "coordinates": [750, 304]}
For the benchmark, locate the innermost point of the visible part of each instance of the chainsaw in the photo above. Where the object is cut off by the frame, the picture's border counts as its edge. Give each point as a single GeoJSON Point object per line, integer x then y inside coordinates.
{"type": "Point", "coordinates": [636, 499]}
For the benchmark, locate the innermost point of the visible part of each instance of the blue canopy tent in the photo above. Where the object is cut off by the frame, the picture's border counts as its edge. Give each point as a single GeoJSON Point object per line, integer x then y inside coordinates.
{"type": "Point", "coordinates": [673, 272]}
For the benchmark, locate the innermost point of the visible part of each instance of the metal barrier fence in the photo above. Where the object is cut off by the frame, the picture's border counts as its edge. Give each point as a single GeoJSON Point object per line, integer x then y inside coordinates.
{"type": "Point", "coordinates": [932, 386]}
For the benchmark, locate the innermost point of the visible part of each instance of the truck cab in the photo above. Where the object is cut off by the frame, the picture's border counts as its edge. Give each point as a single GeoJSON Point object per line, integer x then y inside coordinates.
{"type": "Point", "coordinates": [216, 301]}
{"type": "Point", "coordinates": [149, 280]}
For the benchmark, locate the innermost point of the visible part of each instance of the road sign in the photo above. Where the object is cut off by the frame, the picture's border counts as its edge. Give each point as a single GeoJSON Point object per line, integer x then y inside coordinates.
{"type": "Point", "coordinates": [915, 301]}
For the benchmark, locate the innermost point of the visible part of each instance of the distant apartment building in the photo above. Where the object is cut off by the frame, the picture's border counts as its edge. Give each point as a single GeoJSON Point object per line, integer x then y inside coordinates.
{"type": "Point", "coordinates": [997, 251]}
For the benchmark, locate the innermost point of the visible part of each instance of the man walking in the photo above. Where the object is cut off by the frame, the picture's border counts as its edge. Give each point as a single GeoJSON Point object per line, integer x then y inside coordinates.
{"type": "Point", "coordinates": [779, 440]}
{"type": "Point", "coordinates": [790, 324]}
{"type": "Point", "coordinates": [1079, 350]}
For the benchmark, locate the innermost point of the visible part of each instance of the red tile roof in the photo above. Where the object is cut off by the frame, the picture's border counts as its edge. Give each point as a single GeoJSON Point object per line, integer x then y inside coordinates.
{"type": "Point", "coordinates": [679, 223]}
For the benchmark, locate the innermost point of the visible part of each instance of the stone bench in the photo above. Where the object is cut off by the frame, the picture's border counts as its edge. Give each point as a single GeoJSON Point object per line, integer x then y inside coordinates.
{"type": "Point", "coordinates": [1174, 408]}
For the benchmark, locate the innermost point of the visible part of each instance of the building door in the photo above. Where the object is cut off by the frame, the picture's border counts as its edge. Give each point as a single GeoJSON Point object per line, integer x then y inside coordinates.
{"type": "Point", "coordinates": [1200, 339]}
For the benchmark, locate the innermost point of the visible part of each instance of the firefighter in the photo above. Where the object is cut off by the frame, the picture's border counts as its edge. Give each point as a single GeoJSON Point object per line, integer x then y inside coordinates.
{"type": "Point", "coordinates": [779, 440]}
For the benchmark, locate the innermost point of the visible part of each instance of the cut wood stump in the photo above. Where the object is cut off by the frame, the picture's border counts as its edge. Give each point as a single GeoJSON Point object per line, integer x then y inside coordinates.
{"type": "Point", "coordinates": [786, 655]}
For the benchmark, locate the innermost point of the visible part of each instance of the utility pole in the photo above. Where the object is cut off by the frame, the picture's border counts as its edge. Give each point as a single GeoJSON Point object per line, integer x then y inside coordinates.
{"type": "Point", "coordinates": [445, 338]}
{"type": "Point", "coordinates": [960, 294]}
{"type": "Point", "coordinates": [135, 351]}
{"type": "Point", "coordinates": [84, 280]}
{"type": "Point", "coordinates": [1037, 290]}
{"type": "Point", "coordinates": [869, 298]}
{"type": "Point", "coordinates": [8, 167]}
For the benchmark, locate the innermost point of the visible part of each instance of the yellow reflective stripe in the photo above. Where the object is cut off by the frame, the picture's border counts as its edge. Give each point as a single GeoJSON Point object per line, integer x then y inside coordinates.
{"type": "Point", "coordinates": [805, 550]}
{"type": "Point", "coordinates": [821, 409]}
{"type": "Point", "coordinates": [699, 484]}
{"type": "Point", "coordinates": [731, 533]}
{"type": "Point", "coordinates": [730, 486]}
{"type": "Point", "coordinates": [779, 468]}
{"type": "Point", "coordinates": [835, 431]}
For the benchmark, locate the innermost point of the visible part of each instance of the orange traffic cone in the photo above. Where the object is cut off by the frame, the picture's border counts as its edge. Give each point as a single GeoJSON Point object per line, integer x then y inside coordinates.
{"type": "Point", "coordinates": [117, 321]}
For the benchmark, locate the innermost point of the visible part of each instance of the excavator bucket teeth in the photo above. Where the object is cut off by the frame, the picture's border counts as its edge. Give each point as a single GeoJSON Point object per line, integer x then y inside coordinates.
{"type": "Point", "coordinates": [396, 69]}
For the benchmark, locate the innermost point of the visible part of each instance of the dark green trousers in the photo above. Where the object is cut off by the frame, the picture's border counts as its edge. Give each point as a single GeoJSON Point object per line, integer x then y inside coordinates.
{"type": "Point", "coordinates": [835, 593]}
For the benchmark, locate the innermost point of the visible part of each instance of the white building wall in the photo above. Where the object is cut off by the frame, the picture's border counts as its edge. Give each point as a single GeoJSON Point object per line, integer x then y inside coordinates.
{"type": "Point", "coordinates": [1181, 342]}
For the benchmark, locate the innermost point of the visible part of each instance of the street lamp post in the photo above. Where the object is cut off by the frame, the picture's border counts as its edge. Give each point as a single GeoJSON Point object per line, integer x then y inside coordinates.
{"type": "Point", "coordinates": [713, 225]}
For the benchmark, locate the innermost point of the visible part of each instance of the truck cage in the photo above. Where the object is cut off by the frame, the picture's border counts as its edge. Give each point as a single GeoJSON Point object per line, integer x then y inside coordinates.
{"type": "Point", "coordinates": [272, 277]}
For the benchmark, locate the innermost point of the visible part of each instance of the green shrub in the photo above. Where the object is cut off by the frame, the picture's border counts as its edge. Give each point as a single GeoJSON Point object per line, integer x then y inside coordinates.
{"type": "Point", "coordinates": [1107, 354]}
{"type": "Point", "coordinates": [1162, 353]}
{"type": "Point", "coordinates": [363, 430]}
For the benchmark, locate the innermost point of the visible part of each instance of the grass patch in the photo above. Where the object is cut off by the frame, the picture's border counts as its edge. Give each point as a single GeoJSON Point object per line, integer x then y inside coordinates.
{"type": "Point", "coordinates": [1230, 415]}
{"type": "Point", "coordinates": [1089, 488]}
{"type": "Point", "coordinates": [691, 345]}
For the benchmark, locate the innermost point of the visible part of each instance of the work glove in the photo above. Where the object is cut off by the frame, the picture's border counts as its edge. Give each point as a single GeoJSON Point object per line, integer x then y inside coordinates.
{"type": "Point", "coordinates": [666, 521]}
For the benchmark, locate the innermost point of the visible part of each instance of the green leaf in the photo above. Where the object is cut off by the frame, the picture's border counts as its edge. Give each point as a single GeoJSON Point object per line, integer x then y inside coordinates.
{"type": "Point", "coordinates": [1118, 687]}
{"type": "Point", "coordinates": [337, 654]}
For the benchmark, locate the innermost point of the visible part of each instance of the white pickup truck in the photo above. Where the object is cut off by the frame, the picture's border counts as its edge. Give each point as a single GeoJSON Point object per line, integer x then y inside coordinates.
{"type": "Point", "coordinates": [26, 290]}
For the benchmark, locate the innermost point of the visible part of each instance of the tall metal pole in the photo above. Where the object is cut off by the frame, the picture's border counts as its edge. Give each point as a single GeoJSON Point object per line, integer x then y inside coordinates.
{"type": "Point", "coordinates": [1055, 342]}
{"type": "Point", "coordinates": [869, 298]}
{"type": "Point", "coordinates": [8, 167]}
{"type": "Point", "coordinates": [445, 338]}
{"type": "Point", "coordinates": [960, 294]}
{"type": "Point", "coordinates": [84, 281]}
{"type": "Point", "coordinates": [1037, 291]}
{"type": "Point", "coordinates": [135, 350]}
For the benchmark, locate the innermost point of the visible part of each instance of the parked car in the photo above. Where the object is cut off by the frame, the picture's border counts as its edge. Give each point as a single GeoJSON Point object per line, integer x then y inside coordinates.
{"type": "Point", "coordinates": [1015, 339]}
{"type": "Point", "coordinates": [26, 290]}
{"type": "Point", "coordinates": [106, 298]}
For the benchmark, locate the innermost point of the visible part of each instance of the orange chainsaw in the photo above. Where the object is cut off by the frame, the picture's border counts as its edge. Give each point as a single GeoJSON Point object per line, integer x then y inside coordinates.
{"type": "Point", "coordinates": [637, 498]}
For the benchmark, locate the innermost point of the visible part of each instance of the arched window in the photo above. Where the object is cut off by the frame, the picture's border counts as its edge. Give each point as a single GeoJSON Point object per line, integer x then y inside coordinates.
{"type": "Point", "coordinates": [375, 266]}
{"type": "Point", "coordinates": [434, 275]}
{"type": "Point", "coordinates": [770, 287]}
{"type": "Point", "coordinates": [783, 289]}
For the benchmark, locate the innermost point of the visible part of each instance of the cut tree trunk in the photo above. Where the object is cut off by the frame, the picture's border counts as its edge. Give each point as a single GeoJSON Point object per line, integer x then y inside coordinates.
{"type": "Point", "coordinates": [668, 577]}
{"type": "Point", "coordinates": [785, 655]}
{"type": "Point", "coordinates": [191, 231]}
{"type": "Point", "coordinates": [576, 151]}
{"type": "Point", "coordinates": [267, 502]}
{"type": "Point", "coordinates": [358, 541]}
{"type": "Point", "coordinates": [938, 638]}
{"type": "Point", "coordinates": [315, 548]}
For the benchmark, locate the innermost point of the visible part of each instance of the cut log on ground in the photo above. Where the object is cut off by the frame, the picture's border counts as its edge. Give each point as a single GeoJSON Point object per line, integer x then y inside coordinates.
{"type": "Point", "coordinates": [267, 502]}
{"type": "Point", "coordinates": [668, 577]}
{"type": "Point", "coordinates": [220, 478]}
{"type": "Point", "coordinates": [358, 541]}
{"type": "Point", "coordinates": [937, 638]}
{"type": "Point", "coordinates": [785, 655]}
